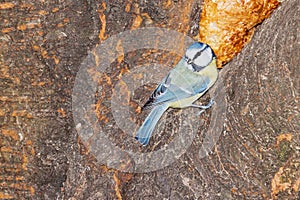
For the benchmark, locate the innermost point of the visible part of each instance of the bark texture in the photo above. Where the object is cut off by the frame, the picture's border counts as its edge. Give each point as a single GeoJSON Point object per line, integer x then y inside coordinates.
{"type": "Point", "coordinates": [42, 157]}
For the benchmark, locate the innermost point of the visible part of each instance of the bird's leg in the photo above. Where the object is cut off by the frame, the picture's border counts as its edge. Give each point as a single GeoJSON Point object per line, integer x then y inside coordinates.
{"type": "Point", "coordinates": [211, 102]}
{"type": "Point", "coordinates": [203, 107]}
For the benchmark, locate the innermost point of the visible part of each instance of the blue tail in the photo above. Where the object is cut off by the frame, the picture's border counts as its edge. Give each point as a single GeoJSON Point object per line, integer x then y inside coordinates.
{"type": "Point", "coordinates": [144, 133]}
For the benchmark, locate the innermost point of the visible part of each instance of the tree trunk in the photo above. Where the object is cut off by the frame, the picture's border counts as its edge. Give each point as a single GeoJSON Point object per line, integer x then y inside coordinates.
{"type": "Point", "coordinates": [253, 127]}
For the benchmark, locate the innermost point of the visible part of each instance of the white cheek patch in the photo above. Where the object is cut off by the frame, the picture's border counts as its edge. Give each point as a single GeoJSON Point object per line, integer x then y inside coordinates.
{"type": "Point", "coordinates": [205, 58]}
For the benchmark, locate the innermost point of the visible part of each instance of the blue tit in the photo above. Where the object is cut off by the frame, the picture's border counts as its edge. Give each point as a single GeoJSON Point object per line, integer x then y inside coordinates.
{"type": "Point", "coordinates": [194, 74]}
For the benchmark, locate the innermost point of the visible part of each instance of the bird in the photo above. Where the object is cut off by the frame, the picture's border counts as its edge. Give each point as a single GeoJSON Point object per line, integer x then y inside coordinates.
{"type": "Point", "coordinates": [192, 76]}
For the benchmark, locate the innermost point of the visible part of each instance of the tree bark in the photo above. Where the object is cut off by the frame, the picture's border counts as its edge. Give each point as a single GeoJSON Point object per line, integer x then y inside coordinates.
{"type": "Point", "coordinates": [42, 46]}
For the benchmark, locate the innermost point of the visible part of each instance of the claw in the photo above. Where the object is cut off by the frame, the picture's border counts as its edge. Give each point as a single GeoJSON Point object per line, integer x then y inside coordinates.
{"type": "Point", "coordinates": [201, 111]}
{"type": "Point", "coordinates": [204, 107]}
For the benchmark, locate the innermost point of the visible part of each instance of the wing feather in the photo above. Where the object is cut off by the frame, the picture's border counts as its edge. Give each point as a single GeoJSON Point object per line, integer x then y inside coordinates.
{"type": "Point", "coordinates": [166, 91]}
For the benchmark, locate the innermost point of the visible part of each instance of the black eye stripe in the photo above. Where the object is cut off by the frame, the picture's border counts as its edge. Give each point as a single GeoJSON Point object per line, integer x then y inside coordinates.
{"type": "Point", "coordinates": [200, 52]}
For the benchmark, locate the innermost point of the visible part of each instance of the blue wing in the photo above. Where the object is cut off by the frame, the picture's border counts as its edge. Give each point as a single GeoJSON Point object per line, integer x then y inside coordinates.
{"type": "Point", "coordinates": [169, 91]}
{"type": "Point", "coordinates": [166, 92]}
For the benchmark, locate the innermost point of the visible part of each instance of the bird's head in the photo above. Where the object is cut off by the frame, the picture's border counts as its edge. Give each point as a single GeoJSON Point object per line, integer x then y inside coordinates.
{"type": "Point", "coordinates": [198, 56]}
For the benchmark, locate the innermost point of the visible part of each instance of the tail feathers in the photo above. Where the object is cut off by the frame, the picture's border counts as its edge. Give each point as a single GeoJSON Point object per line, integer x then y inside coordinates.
{"type": "Point", "coordinates": [144, 133]}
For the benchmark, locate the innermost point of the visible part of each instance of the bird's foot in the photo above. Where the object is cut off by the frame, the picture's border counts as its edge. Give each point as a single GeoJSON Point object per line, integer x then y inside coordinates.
{"type": "Point", "coordinates": [203, 107]}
